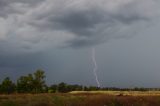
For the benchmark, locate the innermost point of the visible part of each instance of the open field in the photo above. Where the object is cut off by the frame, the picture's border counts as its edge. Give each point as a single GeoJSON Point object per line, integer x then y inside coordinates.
{"type": "Point", "coordinates": [93, 98]}
{"type": "Point", "coordinates": [124, 93]}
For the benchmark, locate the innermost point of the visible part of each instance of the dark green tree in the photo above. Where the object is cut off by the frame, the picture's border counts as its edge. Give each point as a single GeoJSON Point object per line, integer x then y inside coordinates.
{"type": "Point", "coordinates": [25, 84]}
{"type": "Point", "coordinates": [74, 87]}
{"type": "Point", "coordinates": [7, 86]}
{"type": "Point", "coordinates": [32, 83]}
{"type": "Point", "coordinates": [86, 88]}
{"type": "Point", "coordinates": [62, 87]}
{"type": "Point", "coordinates": [38, 81]}
{"type": "Point", "coordinates": [53, 89]}
{"type": "Point", "coordinates": [93, 88]}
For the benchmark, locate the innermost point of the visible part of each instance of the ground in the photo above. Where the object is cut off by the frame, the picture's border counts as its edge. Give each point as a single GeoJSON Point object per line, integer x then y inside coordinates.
{"type": "Point", "coordinates": [93, 98]}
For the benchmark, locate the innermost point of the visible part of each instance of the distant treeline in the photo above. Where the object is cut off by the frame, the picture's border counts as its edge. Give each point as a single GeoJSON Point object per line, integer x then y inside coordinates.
{"type": "Point", "coordinates": [35, 83]}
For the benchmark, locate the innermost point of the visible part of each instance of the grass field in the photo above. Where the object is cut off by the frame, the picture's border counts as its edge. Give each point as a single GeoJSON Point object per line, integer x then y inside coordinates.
{"type": "Point", "coordinates": [93, 98]}
{"type": "Point", "coordinates": [122, 93]}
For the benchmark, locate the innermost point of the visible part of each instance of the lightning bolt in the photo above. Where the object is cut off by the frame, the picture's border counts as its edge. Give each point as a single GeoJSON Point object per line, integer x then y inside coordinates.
{"type": "Point", "coordinates": [95, 67]}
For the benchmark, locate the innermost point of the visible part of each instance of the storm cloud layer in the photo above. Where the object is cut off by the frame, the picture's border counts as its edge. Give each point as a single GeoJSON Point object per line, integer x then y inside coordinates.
{"type": "Point", "coordinates": [31, 26]}
{"type": "Point", "coordinates": [56, 35]}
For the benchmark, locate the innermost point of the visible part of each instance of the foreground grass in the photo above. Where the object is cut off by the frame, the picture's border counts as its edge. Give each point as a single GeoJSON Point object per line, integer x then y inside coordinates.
{"type": "Point", "coordinates": [79, 99]}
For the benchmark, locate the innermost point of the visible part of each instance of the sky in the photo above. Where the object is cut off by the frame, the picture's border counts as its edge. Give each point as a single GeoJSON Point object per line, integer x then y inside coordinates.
{"type": "Point", "coordinates": [58, 36]}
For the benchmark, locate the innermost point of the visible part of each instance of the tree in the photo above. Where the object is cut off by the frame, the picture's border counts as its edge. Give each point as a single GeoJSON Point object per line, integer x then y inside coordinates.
{"type": "Point", "coordinates": [62, 87]}
{"type": "Point", "coordinates": [25, 84]}
{"type": "Point", "coordinates": [32, 83]}
{"type": "Point", "coordinates": [86, 88]}
{"type": "Point", "coordinates": [53, 89]}
{"type": "Point", "coordinates": [93, 88]}
{"type": "Point", "coordinates": [74, 87]}
{"type": "Point", "coordinates": [7, 86]}
{"type": "Point", "coordinates": [38, 81]}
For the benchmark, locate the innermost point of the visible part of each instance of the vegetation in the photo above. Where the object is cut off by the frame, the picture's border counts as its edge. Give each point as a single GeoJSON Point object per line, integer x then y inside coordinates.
{"type": "Point", "coordinates": [77, 100]}
{"type": "Point", "coordinates": [7, 86]}
{"type": "Point", "coordinates": [35, 83]}
{"type": "Point", "coordinates": [31, 90]}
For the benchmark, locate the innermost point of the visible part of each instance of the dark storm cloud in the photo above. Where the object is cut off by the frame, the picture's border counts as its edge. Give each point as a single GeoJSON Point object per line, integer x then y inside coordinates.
{"type": "Point", "coordinates": [8, 2]}
{"type": "Point", "coordinates": [8, 7]}
{"type": "Point", "coordinates": [22, 60]}
{"type": "Point", "coordinates": [83, 25]}
{"type": "Point", "coordinates": [35, 25]}
{"type": "Point", "coordinates": [91, 25]}
{"type": "Point", "coordinates": [30, 31]}
{"type": "Point", "coordinates": [2, 3]}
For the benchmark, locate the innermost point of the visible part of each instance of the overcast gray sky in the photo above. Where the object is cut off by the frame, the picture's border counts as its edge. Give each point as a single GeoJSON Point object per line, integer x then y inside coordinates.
{"type": "Point", "coordinates": [57, 36]}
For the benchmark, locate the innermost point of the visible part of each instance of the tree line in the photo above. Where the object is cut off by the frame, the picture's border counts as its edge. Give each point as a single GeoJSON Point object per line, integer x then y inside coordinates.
{"type": "Point", "coordinates": [35, 83]}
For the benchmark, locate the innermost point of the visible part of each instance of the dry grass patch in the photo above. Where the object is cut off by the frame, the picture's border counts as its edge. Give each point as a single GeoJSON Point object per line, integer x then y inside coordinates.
{"type": "Point", "coordinates": [79, 99]}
